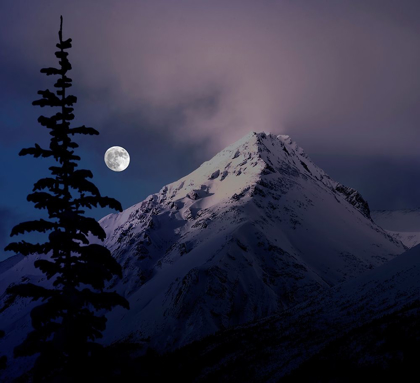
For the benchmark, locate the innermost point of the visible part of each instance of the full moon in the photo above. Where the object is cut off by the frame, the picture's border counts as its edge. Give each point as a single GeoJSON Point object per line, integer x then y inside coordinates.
{"type": "Point", "coordinates": [117, 158]}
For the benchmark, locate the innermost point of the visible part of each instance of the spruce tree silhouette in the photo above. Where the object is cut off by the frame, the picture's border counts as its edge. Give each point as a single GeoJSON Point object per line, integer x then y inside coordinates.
{"type": "Point", "coordinates": [66, 324]}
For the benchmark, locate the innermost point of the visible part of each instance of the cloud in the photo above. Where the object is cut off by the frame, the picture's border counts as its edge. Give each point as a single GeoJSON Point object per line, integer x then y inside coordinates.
{"type": "Point", "coordinates": [341, 78]}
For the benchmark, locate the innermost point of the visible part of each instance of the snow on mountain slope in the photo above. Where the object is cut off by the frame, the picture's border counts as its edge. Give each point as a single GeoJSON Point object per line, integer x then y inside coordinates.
{"type": "Point", "coordinates": [403, 225]}
{"type": "Point", "coordinates": [257, 229]}
{"type": "Point", "coordinates": [409, 239]}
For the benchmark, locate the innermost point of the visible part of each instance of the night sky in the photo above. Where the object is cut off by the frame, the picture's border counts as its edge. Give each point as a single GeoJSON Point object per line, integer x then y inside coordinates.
{"type": "Point", "coordinates": [175, 81]}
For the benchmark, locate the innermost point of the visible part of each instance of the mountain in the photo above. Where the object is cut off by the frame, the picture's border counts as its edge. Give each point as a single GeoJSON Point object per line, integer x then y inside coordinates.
{"type": "Point", "coordinates": [403, 225]}
{"type": "Point", "coordinates": [256, 230]}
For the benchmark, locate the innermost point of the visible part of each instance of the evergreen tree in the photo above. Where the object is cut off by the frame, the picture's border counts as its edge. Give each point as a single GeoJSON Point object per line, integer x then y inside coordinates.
{"type": "Point", "coordinates": [67, 322]}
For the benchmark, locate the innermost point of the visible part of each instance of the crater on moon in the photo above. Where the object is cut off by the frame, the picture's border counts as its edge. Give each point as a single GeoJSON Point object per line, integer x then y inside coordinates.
{"type": "Point", "coordinates": [117, 158]}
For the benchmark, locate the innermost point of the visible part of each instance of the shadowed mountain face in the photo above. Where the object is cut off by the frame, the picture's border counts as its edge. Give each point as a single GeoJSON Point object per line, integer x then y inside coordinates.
{"type": "Point", "coordinates": [257, 229]}
{"type": "Point", "coordinates": [364, 328]}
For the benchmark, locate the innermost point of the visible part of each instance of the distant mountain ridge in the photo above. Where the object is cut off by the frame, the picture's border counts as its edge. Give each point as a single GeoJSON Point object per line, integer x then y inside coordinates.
{"type": "Point", "coordinates": [403, 225]}
{"type": "Point", "coordinates": [257, 229]}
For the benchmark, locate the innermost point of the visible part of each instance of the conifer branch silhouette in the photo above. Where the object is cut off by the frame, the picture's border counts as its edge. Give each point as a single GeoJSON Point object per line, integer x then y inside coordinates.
{"type": "Point", "coordinates": [65, 324]}
{"type": "Point", "coordinates": [3, 359]}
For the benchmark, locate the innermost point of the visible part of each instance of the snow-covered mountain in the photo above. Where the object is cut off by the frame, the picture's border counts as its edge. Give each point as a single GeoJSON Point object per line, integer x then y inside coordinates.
{"type": "Point", "coordinates": [255, 230]}
{"type": "Point", "coordinates": [252, 231]}
{"type": "Point", "coordinates": [401, 224]}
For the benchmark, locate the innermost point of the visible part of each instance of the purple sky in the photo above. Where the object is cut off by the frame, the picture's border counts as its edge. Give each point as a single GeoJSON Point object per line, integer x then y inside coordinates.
{"type": "Point", "coordinates": [174, 82]}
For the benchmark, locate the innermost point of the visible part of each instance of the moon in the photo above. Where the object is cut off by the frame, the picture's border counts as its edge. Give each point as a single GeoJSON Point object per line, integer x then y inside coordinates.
{"type": "Point", "coordinates": [117, 158]}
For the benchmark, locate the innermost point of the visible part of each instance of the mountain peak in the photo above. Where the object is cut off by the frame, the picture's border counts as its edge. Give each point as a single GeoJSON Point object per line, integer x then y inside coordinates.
{"type": "Point", "coordinates": [256, 159]}
{"type": "Point", "coordinates": [239, 167]}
